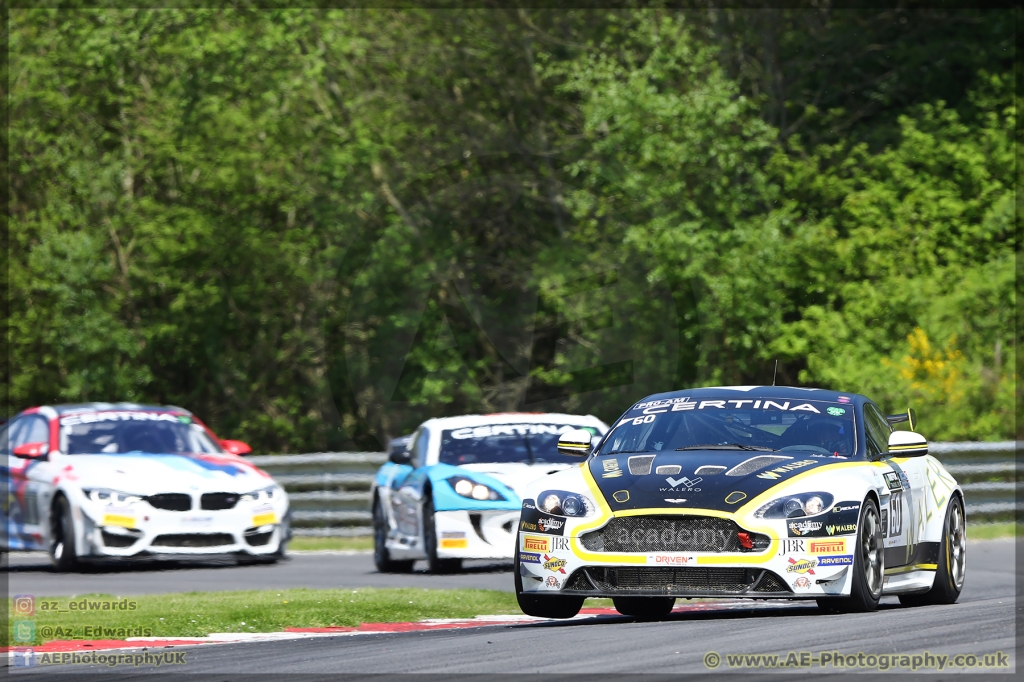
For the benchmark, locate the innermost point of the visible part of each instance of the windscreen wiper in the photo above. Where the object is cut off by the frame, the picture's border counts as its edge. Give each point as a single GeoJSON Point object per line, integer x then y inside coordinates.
{"type": "Point", "coordinates": [728, 446]}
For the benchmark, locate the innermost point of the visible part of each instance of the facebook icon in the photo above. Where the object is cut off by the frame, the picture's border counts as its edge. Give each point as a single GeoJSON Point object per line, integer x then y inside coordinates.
{"type": "Point", "coordinates": [24, 658]}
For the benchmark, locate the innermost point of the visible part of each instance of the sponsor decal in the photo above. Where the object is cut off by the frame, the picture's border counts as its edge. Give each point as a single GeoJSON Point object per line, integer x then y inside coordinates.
{"type": "Point", "coordinates": [788, 546]}
{"type": "Point", "coordinates": [735, 497]}
{"type": "Point", "coordinates": [674, 482]}
{"type": "Point", "coordinates": [780, 471]}
{"type": "Point", "coordinates": [801, 566]}
{"type": "Point", "coordinates": [198, 520]}
{"type": "Point", "coordinates": [554, 564]}
{"type": "Point", "coordinates": [654, 407]}
{"type": "Point", "coordinates": [526, 525]}
{"type": "Point", "coordinates": [836, 411]}
{"type": "Point", "coordinates": [119, 520]}
{"type": "Point", "coordinates": [621, 496]}
{"type": "Point", "coordinates": [835, 455]}
{"type": "Point", "coordinates": [552, 581]}
{"type": "Point", "coordinates": [454, 543]}
{"type": "Point", "coordinates": [827, 546]}
{"type": "Point", "coordinates": [611, 468]}
{"type": "Point", "coordinates": [529, 558]}
{"type": "Point", "coordinates": [119, 415]}
{"type": "Point", "coordinates": [802, 583]}
{"type": "Point", "coordinates": [672, 559]}
{"type": "Point", "coordinates": [844, 560]}
{"type": "Point", "coordinates": [510, 430]}
{"type": "Point", "coordinates": [885, 523]}
{"type": "Point", "coordinates": [550, 524]}
{"type": "Point", "coordinates": [536, 544]}
{"type": "Point", "coordinates": [453, 534]}
{"type": "Point", "coordinates": [804, 527]}
{"type": "Point", "coordinates": [675, 500]}
{"type": "Point", "coordinates": [528, 504]}
{"type": "Point", "coordinates": [842, 399]}
{"type": "Point", "coordinates": [892, 479]}
{"type": "Point", "coordinates": [670, 539]}
{"type": "Point", "coordinates": [558, 543]}
{"type": "Point", "coordinates": [841, 529]}
{"type": "Point", "coordinates": [845, 506]}
{"type": "Point", "coordinates": [264, 519]}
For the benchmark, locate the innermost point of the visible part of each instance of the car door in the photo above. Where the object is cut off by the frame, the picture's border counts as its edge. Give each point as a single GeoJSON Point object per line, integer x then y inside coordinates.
{"type": "Point", "coordinates": [903, 513]}
{"type": "Point", "coordinates": [25, 483]}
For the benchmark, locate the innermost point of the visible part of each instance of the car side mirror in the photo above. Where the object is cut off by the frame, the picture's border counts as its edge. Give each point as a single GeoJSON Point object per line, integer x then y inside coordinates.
{"type": "Point", "coordinates": [575, 443]}
{"type": "Point", "coordinates": [907, 444]}
{"type": "Point", "coordinates": [400, 457]}
{"type": "Point", "coordinates": [31, 450]}
{"type": "Point", "coordinates": [236, 447]}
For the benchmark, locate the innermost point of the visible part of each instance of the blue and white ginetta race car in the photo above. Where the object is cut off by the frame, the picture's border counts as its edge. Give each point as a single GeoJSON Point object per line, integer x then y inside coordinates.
{"type": "Point", "coordinates": [744, 491]}
{"type": "Point", "coordinates": [454, 494]}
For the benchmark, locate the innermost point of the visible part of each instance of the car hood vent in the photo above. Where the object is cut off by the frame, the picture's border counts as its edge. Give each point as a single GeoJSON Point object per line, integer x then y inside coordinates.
{"type": "Point", "coordinates": [754, 463]}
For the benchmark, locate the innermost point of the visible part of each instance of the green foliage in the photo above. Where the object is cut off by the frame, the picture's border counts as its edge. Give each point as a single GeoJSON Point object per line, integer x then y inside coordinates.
{"type": "Point", "coordinates": [318, 228]}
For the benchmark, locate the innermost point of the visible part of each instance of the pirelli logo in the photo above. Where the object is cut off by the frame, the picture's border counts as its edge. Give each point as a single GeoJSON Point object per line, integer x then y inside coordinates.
{"type": "Point", "coordinates": [536, 544]}
{"type": "Point", "coordinates": [827, 546]}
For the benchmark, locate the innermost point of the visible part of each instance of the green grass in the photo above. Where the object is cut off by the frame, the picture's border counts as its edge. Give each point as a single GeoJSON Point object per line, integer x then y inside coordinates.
{"type": "Point", "coordinates": [331, 543]}
{"type": "Point", "coordinates": [196, 614]}
{"type": "Point", "coordinates": [992, 531]}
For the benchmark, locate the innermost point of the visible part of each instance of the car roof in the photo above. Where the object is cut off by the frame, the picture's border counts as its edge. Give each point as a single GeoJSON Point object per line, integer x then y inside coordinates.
{"type": "Point", "coordinates": [514, 418]}
{"type": "Point", "coordinates": [75, 408]}
{"type": "Point", "coordinates": [784, 392]}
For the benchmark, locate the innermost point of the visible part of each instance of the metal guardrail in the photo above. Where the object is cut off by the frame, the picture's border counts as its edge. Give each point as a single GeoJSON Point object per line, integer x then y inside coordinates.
{"type": "Point", "coordinates": [329, 491]}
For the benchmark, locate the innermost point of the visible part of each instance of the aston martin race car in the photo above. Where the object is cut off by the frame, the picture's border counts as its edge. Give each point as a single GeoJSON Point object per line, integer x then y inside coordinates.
{"type": "Point", "coordinates": [127, 481]}
{"type": "Point", "coordinates": [743, 491]}
{"type": "Point", "coordinates": [454, 491]}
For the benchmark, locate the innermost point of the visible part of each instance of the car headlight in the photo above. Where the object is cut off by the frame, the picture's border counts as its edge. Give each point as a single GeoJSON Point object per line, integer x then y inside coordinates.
{"type": "Point", "coordinates": [795, 506]}
{"type": "Point", "coordinates": [473, 490]}
{"type": "Point", "coordinates": [262, 494]}
{"type": "Point", "coordinates": [112, 498]}
{"type": "Point", "coordinates": [564, 503]}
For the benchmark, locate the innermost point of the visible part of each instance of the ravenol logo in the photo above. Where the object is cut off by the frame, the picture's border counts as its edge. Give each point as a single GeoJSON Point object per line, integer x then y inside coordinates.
{"type": "Point", "coordinates": [846, 560]}
{"type": "Point", "coordinates": [529, 558]}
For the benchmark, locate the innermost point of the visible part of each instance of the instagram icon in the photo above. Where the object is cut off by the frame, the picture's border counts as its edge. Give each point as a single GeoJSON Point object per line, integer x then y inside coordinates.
{"type": "Point", "coordinates": [24, 605]}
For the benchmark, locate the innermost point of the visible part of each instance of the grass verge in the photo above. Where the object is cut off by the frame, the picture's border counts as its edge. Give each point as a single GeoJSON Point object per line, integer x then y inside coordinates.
{"type": "Point", "coordinates": [331, 543]}
{"type": "Point", "coordinates": [993, 531]}
{"type": "Point", "coordinates": [196, 614]}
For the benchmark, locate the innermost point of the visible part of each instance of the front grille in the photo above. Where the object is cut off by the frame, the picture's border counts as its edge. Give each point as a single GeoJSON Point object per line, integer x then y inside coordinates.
{"type": "Point", "coordinates": [171, 501]}
{"type": "Point", "coordinates": [194, 540]}
{"type": "Point", "coordinates": [117, 541]}
{"type": "Point", "coordinates": [675, 581]}
{"type": "Point", "coordinates": [670, 534]}
{"type": "Point", "coordinates": [257, 539]}
{"type": "Point", "coordinates": [640, 465]}
{"type": "Point", "coordinates": [214, 501]}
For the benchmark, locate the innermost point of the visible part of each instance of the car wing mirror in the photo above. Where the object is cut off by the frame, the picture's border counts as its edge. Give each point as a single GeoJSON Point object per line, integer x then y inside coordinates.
{"type": "Point", "coordinates": [907, 444]}
{"type": "Point", "coordinates": [575, 443]}
{"type": "Point", "coordinates": [400, 457]}
{"type": "Point", "coordinates": [236, 447]}
{"type": "Point", "coordinates": [908, 416]}
{"type": "Point", "coordinates": [37, 450]}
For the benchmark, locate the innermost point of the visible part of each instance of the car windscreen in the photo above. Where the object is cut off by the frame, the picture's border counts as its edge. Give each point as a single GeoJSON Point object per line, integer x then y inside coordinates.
{"type": "Point", "coordinates": [96, 433]}
{"type": "Point", "coordinates": [506, 443]}
{"type": "Point", "coordinates": [804, 426]}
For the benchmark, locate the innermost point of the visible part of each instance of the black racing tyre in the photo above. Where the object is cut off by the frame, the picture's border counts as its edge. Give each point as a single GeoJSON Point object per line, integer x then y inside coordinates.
{"type": "Point", "coordinates": [434, 564]}
{"type": "Point", "coordinates": [952, 567]}
{"type": "Point", "coordinates": [62, 536]}
{"type": "Point", "coordinates": [644, 608]}
{"type": "Point", "coordinates": [868, 566]}
{"type": "Point", "coordinates": [544, 606]}
{"type": "Point", "coordinates": [381, 556]}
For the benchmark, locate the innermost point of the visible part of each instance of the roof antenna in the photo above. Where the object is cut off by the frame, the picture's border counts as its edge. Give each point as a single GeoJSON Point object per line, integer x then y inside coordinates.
{"type": "Point", "coordinates": [776, 372]}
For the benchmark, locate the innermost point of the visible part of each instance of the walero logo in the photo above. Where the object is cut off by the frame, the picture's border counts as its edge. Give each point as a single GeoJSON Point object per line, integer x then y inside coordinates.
{"type": "Point", "coordinates": [553, 563]}
{"type": "Point", "coordinates": [802, 566]}
{"type": "Point", "coordinates": [536, 544]}
{"type": "Point", "coordinates": [844, 529]}
{"type": "Point", "coordinates": [845, 560]}
{"type": "Point", "coordinates": [827, 547]}
{"type": "Point", "coordinates": [779, 471]}
{"type": "Point", "coordinates": [674, 482]}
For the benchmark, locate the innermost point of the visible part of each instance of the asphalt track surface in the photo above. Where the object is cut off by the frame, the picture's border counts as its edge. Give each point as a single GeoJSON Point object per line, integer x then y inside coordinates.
{"type": "Point", "coordinates": [982, 622]}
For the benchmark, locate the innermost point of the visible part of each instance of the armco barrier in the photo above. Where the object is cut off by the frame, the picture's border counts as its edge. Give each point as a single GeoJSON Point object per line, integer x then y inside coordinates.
{"type": "Point", "coordinates": [330, 491]}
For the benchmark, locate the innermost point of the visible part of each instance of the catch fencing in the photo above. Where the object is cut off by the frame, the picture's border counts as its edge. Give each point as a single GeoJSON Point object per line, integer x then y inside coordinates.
{"type": "Point", "coordinates": [330, 491]}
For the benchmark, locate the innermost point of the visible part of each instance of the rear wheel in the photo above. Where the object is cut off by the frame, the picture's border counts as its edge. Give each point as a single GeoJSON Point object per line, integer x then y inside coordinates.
{"type": "Point", "coordinates": [644, 608]}
{"type": "Point", "coordinates": [868, 566]}
{"type": "Point", "coordinates": [62, 536]}
{"type": "Point", "coordinates": [434, 564]}
{"type": "Point", "coordinates": [952, 568]}
{"type": "Point", "coordinates": [381, 556]}
{"type": "Point", "coordinates": [546, 606]}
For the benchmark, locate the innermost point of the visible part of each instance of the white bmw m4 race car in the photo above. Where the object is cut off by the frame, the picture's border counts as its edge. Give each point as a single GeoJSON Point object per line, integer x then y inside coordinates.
{"type": "Point", "coordinates": [744, 491]}
{"type": "Point", "coordinates": [454, 492]}
{"type": "Point", "coordinates": [127, 481]}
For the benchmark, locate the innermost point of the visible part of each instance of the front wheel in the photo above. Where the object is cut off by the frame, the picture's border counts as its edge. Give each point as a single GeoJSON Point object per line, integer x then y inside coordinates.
{"type": "Point", "coordinates": [868, 566]}
{"type": "Point", "coordinates": [546, 606]}
{"type": "Point", "coordinates": [952, 568]}
{"type": "Point", "coordinates": [62, 537]}
{"type": "Point", "coordinates": [644, 608]}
